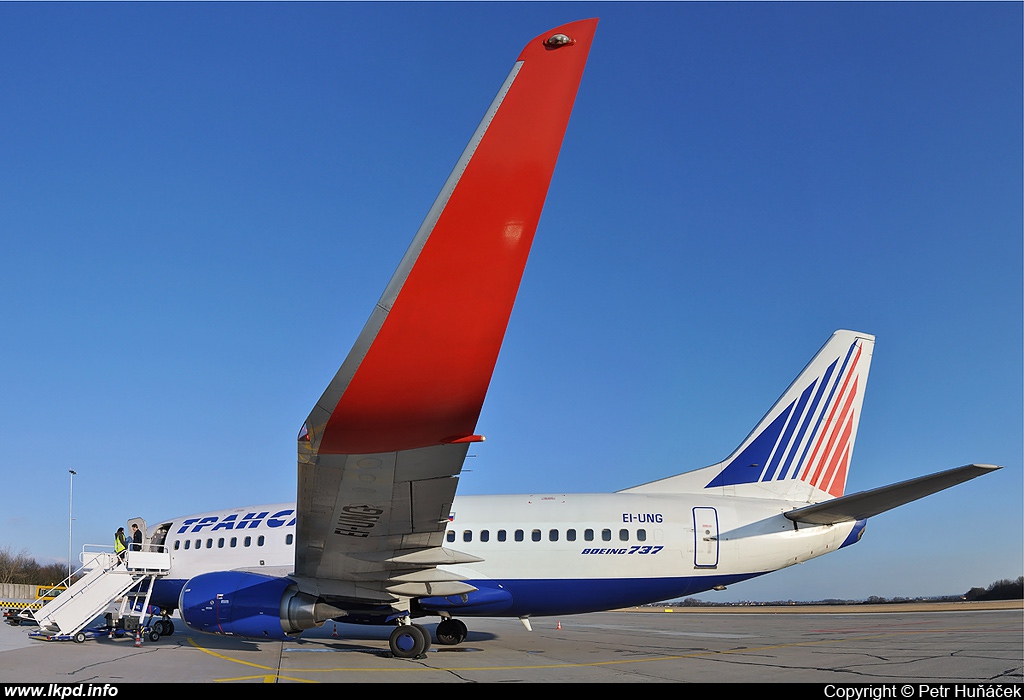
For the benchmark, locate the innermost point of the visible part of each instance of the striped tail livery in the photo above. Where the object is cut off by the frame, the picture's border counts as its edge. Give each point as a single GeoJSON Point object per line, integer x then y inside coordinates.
{"type": "Point", "coordinates": [805, 442]}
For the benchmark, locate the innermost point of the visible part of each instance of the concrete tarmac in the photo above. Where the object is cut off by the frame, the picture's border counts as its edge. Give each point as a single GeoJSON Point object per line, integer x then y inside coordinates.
{"type": "Point", "coordinates": [938, 645]}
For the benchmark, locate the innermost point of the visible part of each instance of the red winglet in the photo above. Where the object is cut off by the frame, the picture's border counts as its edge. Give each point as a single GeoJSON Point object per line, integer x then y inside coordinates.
{"type": "Point", "coordinates": [425, 374]}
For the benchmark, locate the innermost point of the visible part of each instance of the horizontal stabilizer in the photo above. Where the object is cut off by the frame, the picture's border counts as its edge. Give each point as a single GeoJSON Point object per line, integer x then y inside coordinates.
{"type": "Point", "coordinates": [865, 504]}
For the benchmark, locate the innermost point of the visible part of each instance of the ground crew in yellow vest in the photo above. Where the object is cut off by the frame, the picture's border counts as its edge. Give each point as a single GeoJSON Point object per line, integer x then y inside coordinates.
{"type": "Point", "coordinates": [120, 544]}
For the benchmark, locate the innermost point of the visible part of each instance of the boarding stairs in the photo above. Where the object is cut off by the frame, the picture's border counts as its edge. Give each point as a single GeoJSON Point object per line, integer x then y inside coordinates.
{"type": "Point", "coordinates": [107, 577]}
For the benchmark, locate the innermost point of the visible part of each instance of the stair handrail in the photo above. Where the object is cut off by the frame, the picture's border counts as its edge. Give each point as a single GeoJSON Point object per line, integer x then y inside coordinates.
{"type": "Point", "coordinates": [26, 613]}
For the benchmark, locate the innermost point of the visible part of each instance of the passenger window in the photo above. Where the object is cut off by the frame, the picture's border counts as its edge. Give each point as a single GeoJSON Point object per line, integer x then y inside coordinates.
{"type": "Point", "coordinates": [220, 543]}
{"type": "Point", "coordinates": [260, 541]}
{"type": "Point", "coordinates": [199, 544]}
{"type": "Point", "coordinates": [519, 535]}
{"type": "Point", "coordinates": [501, 535]}
{"type": "Point", "coordinates": [484, 535]}
{"type": "Point", "coordinates": [588, 535]}
{"type": "Point", "coordinates": [234, 541]}
{"type": "Point", "coordinates": [176, 543]}
{"type": "Point", "coordinates": [623, 535]}
{"type": "Point", "coordinates": [570, 535]}
{"type": "Point", "coordinates": [535, 535]}
{"type": "Point", "coordinates": [289, 539]}
{"type": "Point", "coordinates": [187, 543]}
{"type": "Point", "coordinates": [467, 536]}
{"type": "Point", "coordinates": [450, 536]}
{"type": "Point", "coordinates": [247, 541]}
{"type": "Point", "coordinates": [606, 535]}
{"type": "Point", "coordinates": [553, 535]}
{"type": "Point", "coordinates": [641, 535]}
{"type": "Point", "coordinates": [209, 543]}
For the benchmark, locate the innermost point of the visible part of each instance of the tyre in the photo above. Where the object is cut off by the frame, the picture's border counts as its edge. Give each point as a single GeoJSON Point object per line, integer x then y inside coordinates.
{"type": "Point", "coordinates": [407, 642]}
{"type": "Point", "coordinates": [426, 637]}
{"type": "Point", "coordinates": [451, 631]}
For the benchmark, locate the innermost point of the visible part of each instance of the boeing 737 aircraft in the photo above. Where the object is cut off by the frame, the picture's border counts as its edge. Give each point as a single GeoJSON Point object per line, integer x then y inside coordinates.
{"type": "Point", "coordinates": [377, 534]}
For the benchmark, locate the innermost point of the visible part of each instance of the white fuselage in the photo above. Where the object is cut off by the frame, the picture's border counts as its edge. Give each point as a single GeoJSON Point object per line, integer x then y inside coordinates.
{"type": "Point", "coordinates": [553, 552]}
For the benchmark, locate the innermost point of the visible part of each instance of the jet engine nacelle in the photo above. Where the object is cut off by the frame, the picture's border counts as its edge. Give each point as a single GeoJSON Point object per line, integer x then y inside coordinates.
{"type": "Point", "coordinates": [250, 605]}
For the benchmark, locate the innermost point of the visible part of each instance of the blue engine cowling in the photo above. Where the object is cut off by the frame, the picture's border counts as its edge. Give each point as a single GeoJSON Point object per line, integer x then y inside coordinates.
{"type": "Point", "coordinates": [250, 605]}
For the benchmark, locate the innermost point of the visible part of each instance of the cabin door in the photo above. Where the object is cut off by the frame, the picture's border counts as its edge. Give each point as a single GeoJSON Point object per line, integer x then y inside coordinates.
{"type": "Point", "coordinates": [705, 534]}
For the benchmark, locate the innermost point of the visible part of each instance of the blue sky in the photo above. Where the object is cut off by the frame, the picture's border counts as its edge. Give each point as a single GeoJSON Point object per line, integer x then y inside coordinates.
{"type": "Point", "coordinates": [201, 202]}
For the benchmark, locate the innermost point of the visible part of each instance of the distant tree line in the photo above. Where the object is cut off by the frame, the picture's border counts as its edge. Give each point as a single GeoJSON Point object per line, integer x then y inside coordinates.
{"type": "Point", "coordinates": [1003, 589]}
{"type": "Point", "coordinates": [21, 568]}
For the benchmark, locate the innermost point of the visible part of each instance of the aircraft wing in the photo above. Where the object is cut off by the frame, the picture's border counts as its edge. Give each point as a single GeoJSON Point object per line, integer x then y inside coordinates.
{"type": "Point", "coordinates": [380, 454]}
{"type": "Point", "coordinates": [858, 506]}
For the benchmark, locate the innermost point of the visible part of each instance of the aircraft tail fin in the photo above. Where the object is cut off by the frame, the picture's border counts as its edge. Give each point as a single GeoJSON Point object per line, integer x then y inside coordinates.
{"type": "Point", "coordinates": [801, 449]}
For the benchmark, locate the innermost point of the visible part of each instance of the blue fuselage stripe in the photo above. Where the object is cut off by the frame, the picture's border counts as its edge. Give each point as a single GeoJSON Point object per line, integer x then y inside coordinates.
{"type": "Point", "coordinates": [545, 597]}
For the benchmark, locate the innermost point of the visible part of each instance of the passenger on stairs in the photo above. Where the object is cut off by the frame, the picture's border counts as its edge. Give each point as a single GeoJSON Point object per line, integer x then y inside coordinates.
{"type": "Point", "coordinates": [120, 544]}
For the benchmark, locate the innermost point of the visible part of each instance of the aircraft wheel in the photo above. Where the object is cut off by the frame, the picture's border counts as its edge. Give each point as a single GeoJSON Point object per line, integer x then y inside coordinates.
{"type": "Point", "coordinates": [425, 633]}
{"type": "Point", "coordinates": [451, 631]}
{"type": "Point", "coordinates": [80, 637]}
{"type": "Point", "coordinates": [164, 627]}
{"type": "Point", "coordinates": [153, 636]}
{"type": "Point", "coordinates": [407, 641]}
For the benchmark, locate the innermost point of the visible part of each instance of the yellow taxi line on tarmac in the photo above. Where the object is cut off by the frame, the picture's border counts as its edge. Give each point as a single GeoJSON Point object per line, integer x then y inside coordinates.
{"type": "Point", "coordinates": [295, 670]}
{"type": "Point", "coordinates": [269, 678]}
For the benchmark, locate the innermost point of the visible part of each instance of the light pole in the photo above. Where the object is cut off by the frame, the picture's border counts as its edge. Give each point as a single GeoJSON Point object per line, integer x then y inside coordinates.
{"type": "Point", "coordinates": [71, 520]}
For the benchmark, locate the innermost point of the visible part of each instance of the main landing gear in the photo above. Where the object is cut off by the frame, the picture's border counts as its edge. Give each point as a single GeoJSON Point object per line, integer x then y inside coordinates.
{"type": "Point", "coordinates": [409, 641]}
{"type": "Point", "coordinates": [451, 631]}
